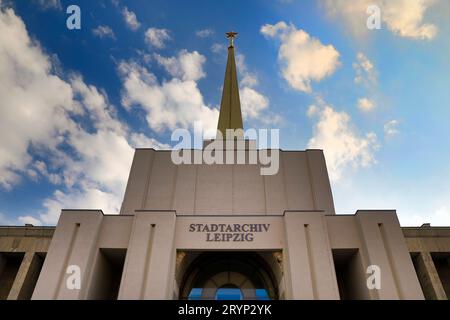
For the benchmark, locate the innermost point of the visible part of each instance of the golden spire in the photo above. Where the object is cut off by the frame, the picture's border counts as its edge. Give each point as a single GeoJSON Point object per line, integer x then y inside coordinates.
{"type": "Point", "coordinates": [230, 116]}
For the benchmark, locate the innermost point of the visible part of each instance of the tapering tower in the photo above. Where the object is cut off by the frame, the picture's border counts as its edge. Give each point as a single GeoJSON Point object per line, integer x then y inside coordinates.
{"type": "Point", "coordinates": [230, 107]}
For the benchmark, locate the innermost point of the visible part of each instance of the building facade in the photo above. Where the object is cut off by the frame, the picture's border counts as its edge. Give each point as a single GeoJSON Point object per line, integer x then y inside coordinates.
{"type": "Point", "coordinates": [191, 230]}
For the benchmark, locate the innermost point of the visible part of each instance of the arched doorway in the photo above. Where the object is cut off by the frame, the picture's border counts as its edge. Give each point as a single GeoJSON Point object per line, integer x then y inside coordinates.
{"type": "Point", "coordinates": [228, 276]}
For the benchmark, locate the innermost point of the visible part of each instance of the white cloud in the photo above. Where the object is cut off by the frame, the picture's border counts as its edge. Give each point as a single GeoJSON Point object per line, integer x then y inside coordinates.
{"type": "Point", "coordinates": [352, 13]}
{"type": "Point", "coordinates": [101, 113]}
{"type": "Point", "coordinates": [157, 37]}
{"type": "Point", "coordinates": [273, 30]}
{"type": "Point", "coordinates": [312, 111]}
{"type": "Point", "coordinates": [186, 65]}
{"type": "Point", "coordinates": [304, 59]}
{"type": "Point", "coordinates": [49, 4]}
{"type": "Point", "coordinates": [40, 168]}
{"type": "Point", "coordinates": [36, 119]}
{"type": "Point", "coordinates": [404, 18]}
{"type": "Point", "coordinates": [104, 32]}
{"type": "Point", "coordinates": [248, 79]}
{"type": "Point", "coordinates": [253, 103]}
{"type": "Point", "coordinates": [204, 33]}
{"type": "Point", "coordinates": [105, 158]}
{"type": "Point", "coordinates": [178, 102]}
{"type": "Point", "coordinates": [30, 220]}
{"type": "Point", "coordinates": [35, 105]}
{"type": "Point", "coordinates": [130, 19]}
{"type": "Point", "coordinates": [391, 128]}
{"type": "Point", "coordinates": [218, 48]}
{"type": "Point", "coordinates": [343, 146]}
{"type": "Point", "coordinates": [364, 70]}
{"type": "Point", "coordinates": [172, 104]}
{"type": "Point", "coordinates": [366, 105]}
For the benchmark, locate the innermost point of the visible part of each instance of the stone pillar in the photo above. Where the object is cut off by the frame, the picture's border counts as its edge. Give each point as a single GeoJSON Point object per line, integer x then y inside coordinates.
{"type": "Point", "coordinates": [26, 277]}
{"type": "Point", "coordinates": [309, 263]}
{"type": "Point", "coordinates": [74, 244]}
{"type": "Point", "coordinates": [429, 277]}
{"type": "Point", "coordinates": [149, 270]}
{"type": "Point", "coordinates": [383, 245]}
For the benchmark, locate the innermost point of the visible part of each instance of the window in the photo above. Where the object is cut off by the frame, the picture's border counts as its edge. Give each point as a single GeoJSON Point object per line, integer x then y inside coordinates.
{"type": "Point", "coordinates": [229, 292]}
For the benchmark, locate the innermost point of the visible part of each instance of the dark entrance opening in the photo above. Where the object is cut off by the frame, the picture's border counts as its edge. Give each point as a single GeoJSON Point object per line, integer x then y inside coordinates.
{"type": "Point", "coordinates": [350, 274]}
{"type": "Point", "coordinates": [9, 266]}
{"type": "Point", "coordinates": [228, 276]}
{"type": "Point", "coordinates": [442, 263]}
{"type": "Point", "coordinates": [107, 274]}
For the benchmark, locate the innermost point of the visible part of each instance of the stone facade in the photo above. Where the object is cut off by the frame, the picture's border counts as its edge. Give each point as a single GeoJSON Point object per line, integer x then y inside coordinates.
{"type": "Point", "coordinates": [428, 247]}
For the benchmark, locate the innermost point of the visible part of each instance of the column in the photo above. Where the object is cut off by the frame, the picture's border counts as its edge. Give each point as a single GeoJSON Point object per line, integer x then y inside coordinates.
{"type": "Point", "coordinates": [26, 277]}
{"type": "Point", "coordinates": [149, 270]}
{"type": "Point", "coordinates": [429, 277]}
{"type": "Point", "coordinates": [383, 245]}
{"type": "Point", "coordinates": [310, 270]}
{"type": "Point", "coordinates": [74, 244]}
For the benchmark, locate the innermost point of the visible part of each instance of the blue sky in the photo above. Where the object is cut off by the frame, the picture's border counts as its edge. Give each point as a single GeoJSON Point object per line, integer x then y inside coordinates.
{"type": "Point", "coordinates": [76, 102]}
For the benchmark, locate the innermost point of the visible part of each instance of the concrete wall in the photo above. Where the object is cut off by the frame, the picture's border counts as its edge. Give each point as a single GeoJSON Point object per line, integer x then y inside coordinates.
{"type": "Point", "coordinates": [343, 232]}
{"type": "Point", "coordinates": [155, 183]}
{"type": "Point", "coordinates": [79, 237]}
{"type": "Point", "coordinates": [426, 244]}
{"type": "Point", "coordinates": [163, 200]}
{"type": "Point", "coordinates": [379, 238]}
{"type": "Point", "coordinates": [31, 244]}
{"type": "Point", "coordinates": [305, 240]}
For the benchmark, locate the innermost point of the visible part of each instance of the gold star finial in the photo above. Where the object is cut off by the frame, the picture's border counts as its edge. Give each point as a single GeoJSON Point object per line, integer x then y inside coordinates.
{"type": "Point", "coordinates": [231, 36]}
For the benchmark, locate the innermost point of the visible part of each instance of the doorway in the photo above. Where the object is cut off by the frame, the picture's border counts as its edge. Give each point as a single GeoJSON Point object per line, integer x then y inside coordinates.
{"type": "Point", "coordinates": [227, 276]}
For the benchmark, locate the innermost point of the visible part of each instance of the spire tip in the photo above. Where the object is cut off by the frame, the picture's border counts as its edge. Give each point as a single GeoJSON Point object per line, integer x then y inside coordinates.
{"type": "Point", "coordinates": [231, 36]}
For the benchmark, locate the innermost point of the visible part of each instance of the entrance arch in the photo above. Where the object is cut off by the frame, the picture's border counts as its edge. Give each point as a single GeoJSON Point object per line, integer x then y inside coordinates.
{"type": "Point", "coordinates": [206, 275]}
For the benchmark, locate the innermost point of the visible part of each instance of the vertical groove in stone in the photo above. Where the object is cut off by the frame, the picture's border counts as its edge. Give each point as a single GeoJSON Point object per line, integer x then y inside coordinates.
{"type": "Point", "coordinates": [148, 256]}
{"type": "Point", "coordinates": [310, 260]}
{"type": "Point", "coordinates": [390, 258]}
{"type": "Point", "coordinates": [195, 190]}
{"type": "Point", "coordinates": [147, 182]}
{"type": "Point", "coordinates": [313, 193]}
{"type": "Point", "coordinates": [286, 198]}
{"type": "Point", "coordinates": [174, 187]}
